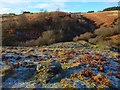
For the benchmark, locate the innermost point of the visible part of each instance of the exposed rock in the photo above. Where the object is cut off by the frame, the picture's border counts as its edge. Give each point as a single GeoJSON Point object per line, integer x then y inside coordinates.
{"type": "Point", "coordinates": [52, 71]}
{"type": "Point", "coordinates": [54, 67]}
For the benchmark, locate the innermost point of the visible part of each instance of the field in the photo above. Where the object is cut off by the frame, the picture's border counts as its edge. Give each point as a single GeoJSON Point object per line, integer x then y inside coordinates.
{"type": "Point", "coordinates": [62, 65]}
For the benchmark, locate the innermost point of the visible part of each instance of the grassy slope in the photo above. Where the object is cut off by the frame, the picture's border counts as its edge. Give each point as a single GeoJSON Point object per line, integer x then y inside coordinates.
{"type": "Point", "coordinates": [106, 18]}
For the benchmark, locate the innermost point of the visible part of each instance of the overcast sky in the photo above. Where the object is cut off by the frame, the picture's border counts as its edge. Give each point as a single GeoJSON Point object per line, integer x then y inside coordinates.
{"type": "Point", "coordinates": [18, 6]}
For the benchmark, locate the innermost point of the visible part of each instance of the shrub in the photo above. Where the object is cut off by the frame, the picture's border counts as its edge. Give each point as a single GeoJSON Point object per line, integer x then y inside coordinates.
{"type": "Point", "coordinates": [48, 37]}
{"type": "Point", "coordinates": [86, 36]}
{"type": "Point", "coordinates": [26, 12]}
{"type": "Point", "coordinates": [29, 43]}
{"type": "Point", "coordinates": [10, 41]}
{"type": "Point", "coordinates": [76, 38]}
{"type": "Point", "coordinates": [107, 31]}
{"type": "Point", "coordinates": [90, 11]}
{"type": "Point", "coordinates": [23, 23]}
{"type": "Point", "coordinates": [9, 24]}
{"type": "Point", "coordinates": [95, 40]}
{"type": "Point", "coordinates": [112, 8]}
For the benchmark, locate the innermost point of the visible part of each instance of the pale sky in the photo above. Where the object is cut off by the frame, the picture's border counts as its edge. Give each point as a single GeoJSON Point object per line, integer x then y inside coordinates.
{"type": "Point", "coordinates": [18, 6]}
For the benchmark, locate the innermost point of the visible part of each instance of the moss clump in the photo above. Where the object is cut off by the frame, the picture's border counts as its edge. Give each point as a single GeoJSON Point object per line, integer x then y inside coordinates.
{"type": "Point", "coordinates": [68, 84]}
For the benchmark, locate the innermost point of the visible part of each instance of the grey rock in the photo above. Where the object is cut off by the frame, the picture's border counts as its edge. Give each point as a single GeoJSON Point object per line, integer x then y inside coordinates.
{"type": "Point", "coordinates": [54, 68]}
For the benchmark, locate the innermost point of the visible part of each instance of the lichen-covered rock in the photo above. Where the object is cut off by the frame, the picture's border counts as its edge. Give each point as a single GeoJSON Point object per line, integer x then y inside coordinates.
{"type": "Point", "coordinates": [54, 68]}
{"type": "Point", "coordinates": [51, 71]}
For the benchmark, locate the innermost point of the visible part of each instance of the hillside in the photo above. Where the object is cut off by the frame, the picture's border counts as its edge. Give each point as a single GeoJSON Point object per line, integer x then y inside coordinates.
{"type": "Point", "coordinates": [106, 27]}
{"type": "Point", "coordinates": [26, 27]}
{"type": "Point", "coordinates": [106, 18]}
{"type": "Point", "coordinates": [31, 29]}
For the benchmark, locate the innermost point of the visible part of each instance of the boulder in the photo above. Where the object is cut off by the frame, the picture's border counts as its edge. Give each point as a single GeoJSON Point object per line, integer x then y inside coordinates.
{"type": "Point", "coordinates": [54, 68]}
{"type": "Point", "coordinates": [52, 71]}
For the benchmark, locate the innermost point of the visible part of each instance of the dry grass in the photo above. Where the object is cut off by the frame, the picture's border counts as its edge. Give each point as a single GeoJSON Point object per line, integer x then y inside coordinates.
{"type": "Point", "coordinates": [32, 16]}
{"type": "Point", "coordinates": [105, 18]}
{"type": "Point", "coordinates": [115, 37]}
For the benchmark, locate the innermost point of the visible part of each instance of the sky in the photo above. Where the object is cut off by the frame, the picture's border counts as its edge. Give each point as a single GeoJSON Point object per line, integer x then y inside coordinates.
{"type": "Point", "coordinates": [18, 6]}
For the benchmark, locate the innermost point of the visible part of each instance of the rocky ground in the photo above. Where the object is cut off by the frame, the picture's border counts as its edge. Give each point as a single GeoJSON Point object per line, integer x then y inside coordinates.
{"type": "Point", "coordinates": [62, 65]}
